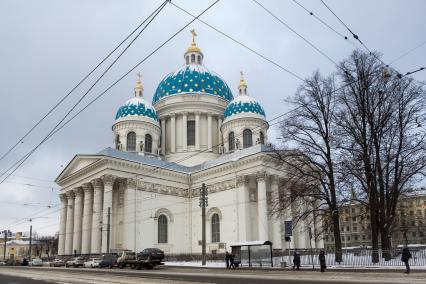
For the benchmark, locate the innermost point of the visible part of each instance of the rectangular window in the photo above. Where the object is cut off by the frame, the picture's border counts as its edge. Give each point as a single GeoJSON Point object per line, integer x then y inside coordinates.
{"type": "Point", "coordinates": [190, 132]}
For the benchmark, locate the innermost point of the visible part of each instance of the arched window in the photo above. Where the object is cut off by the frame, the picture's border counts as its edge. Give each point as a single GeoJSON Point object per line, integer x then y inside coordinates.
{"type": "Point", "coordinates": [162, 229]}
{"type": "Point", "coordinates": [148, 143]}
{"type": "Point", "coordinates": [262, 138]}
{"type": "Point", "coordinates": [199, 59]}
{"type": "Point", "coordinates": [117, 142]}
{"type": "Point", "coordinates": [247, 138]}
{"type": "Point", "coordinates": [131, 141]}
{"type": "Point", "coordinates": [192, 58]}
{"type": "Point", "coordinates": [215, 228]}
{"type": "Point", "coordinates": [231, 141]}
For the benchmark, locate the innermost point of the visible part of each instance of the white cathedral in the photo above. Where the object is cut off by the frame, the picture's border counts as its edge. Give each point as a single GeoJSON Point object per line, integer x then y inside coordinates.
{"type": "Point", "coordinates": [144, 192]}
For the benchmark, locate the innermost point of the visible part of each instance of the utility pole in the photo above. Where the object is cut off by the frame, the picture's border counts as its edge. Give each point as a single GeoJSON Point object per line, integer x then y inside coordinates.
{"type": "Point", "coordinates": [108, 228]}
{"type": "Point", "coordinates": [31, 239]}
{"type": "Point", "coordinates": [203, 205]}
{"type": "Point", "coordinates": [5, 241]}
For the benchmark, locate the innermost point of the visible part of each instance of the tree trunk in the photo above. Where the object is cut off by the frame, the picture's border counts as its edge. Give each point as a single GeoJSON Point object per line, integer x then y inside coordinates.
{"type": "Point", "coordinates": [374, 234]}
{"type": "Point", "coordinates": [337, 239]}
{"type": "Point", "coordinates": [386, 244]}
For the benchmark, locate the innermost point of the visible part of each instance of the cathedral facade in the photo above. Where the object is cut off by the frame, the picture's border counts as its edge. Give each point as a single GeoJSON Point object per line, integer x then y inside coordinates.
{"type": "Point", "coordinates": [144, 191]}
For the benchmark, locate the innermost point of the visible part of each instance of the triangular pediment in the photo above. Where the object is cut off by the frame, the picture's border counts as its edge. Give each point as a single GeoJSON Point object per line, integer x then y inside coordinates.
{"type": "Point", "coordinates": [78, 163]}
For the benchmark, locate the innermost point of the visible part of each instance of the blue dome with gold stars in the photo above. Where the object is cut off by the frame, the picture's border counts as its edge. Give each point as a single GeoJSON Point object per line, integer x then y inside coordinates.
{"type": "Point", "coordinates": [137, 107]}
{"type": "Point", "coordinates": [192, 79]}
{"type": "Point", "coordinates": [243, 104]}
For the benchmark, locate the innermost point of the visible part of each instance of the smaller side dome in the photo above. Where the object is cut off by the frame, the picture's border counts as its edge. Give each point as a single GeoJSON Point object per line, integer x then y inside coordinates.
{"type": "Point", "coordinates": [137, 106]}
{"type": "Point", "coordinates": [243, 104]}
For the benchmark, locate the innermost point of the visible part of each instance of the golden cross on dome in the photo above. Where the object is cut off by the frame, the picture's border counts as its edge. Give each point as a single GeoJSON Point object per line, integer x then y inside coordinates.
{"type": "Point", "coordinates": [194, 34]}
{"type": "Point", "coordinates": [139, 76]}
{"type": "Point", "coordinates": [242, 75]}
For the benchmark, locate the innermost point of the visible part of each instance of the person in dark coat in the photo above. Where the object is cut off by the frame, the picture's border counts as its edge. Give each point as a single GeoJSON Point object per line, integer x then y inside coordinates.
{"type": "Point", "coordinates": [321, 258]}
{"type": "Point", "coordinates": [231, 261]}
{"type": "Point", "coordinates": [227, 257]}
{"type": "Point", "coordinates": [296, 261]}
{"type": "Point", "coordinates": [405, 257]}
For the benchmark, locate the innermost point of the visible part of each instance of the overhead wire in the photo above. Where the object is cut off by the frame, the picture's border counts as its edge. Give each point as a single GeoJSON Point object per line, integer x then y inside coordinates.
{"type": "Point", "coordinates": [77, 85]}
{"type": "Point", "coordinates": [14, 167]}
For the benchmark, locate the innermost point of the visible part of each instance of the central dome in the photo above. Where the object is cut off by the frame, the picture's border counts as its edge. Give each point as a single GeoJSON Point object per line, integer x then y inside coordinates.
{"type": "Point", "coordinates": [192, 79]}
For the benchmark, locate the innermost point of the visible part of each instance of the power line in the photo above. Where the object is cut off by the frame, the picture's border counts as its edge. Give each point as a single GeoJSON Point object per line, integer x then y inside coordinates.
{"type": "Point", "coordinates": [82, 97]}
{"type": "Point", "coordinates": [408, 52]}
{"type": "Point", "coordinates": [33, 185]}
{"type": "Point", "coordinates": [240, 43]}
{"type": "Point", "coordinates": [77, 85]}
{"type": "Point", "coordinates": [324, 23]}
{"type": "Point", "coordinates": [295, 32]}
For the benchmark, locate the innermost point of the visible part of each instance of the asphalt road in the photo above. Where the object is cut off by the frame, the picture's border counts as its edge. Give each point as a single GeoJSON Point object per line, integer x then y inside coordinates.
{"type": "Point", "coordinates": [188, 275]}
{"type": "Point", "coordinates": [6, 279]}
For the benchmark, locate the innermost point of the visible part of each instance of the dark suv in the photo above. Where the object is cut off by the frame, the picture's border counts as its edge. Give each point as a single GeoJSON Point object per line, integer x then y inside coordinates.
{"type": "Point", "coordinates": [108, 260]}
{"type": "Point", "coordinates": [152, 255]}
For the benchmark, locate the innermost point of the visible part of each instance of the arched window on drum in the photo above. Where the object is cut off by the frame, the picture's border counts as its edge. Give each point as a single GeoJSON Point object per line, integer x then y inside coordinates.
{"type": "Point", "coordinates": [247, 138]}
{"type": "Point", "coordinates": [148, 143]}
{"type": "Point", "coordinates": [131, 142]}
{"type": "Point", "coordinates": [231, 141]}
{"type": "Point", "coordinates": [261, 138]}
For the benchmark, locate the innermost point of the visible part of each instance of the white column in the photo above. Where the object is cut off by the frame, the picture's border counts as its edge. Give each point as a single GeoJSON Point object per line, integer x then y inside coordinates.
{"type": "Point", "coordinates": [62, 224]}
{"type": "Point", "coordinates": [130, 215]}
{"type": "Point", "coordinates": [197, 131]}
{"type": "Point", "coordinates": [108, 187]}
{"type": "Point", "coordinates": [70, 223]}
{"type": "Point", "coordinates": [243, 200]}
{"type": "Point", "coordinates": [184, 131]}
{"type": "Point", "coordinates": [219, 124]}
{"type": "Point", "coordinates": [276, 220]}
{"type": "Point", "coordinates": [87, 219]}
{"type": "Point", "coordinates": [209, 132]}
{"type": "Point", "coordinates": [78, 216]}
{"type": "Point", "coordinates": [98, 189]}
{"type": "Point", "coordinates": [163, 136]}
{"type": "Point", "coordinates": [262, 208]}
{"type": "Point", "coordinates": [172, 133]}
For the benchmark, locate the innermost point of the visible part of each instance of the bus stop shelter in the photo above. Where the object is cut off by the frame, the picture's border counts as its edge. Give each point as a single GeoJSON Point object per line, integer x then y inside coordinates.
{"type": "Point", "coordinates": [253, 253]}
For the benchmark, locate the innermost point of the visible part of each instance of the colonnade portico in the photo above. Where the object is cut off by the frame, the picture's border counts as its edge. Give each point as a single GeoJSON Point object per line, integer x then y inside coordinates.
{"type": "Point", "coordinates": [267, 228]}
{"type": "Point", "coordinates": [182, 118]}
{"type": "Point", "coordinates": [84, 217]}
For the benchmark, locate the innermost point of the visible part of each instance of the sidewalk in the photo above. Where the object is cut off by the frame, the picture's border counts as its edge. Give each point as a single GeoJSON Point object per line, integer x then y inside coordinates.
{"type": "Point", "coordinates": [219, 265]}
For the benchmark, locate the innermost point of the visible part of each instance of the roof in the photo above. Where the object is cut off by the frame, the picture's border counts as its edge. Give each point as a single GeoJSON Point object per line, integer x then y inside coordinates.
{"type": "Point", "coordinates": [155, 162]}
{"type": "Point", "coordinates": [152, 161]}
{"type": "Point", "coordinates": [251, 243]}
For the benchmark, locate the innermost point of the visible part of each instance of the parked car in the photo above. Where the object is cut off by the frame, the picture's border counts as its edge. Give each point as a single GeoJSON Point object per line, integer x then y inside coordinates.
{"type": "Point", "coordinates": [92, 262]}
{"type": "Point", "coordinates": [152, 255]}
{"type": "Point", "coordinates": [75, 262]}
{"type": "Point", "coordinates": [108, 260]}
{"type": "Point", "coordinates": [57, 262]}
{"type": "Point", "coordinates": [36, 262]}
{"type": "Point", "coordinates": [127, 258]}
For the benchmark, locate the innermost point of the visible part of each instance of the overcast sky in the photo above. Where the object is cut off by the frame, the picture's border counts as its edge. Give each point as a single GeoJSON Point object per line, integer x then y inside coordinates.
{"type": "Point", "coordinates": [48, 46]}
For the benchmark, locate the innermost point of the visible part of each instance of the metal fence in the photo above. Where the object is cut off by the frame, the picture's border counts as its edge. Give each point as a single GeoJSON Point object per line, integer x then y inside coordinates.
{"type": "Point", "coordinates": [359, 257]}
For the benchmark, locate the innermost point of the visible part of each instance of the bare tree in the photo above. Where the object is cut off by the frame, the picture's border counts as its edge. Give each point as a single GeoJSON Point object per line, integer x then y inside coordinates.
{"type": "Point", "coordinates": [378, 118]}
{"type": "Point", "coordinates": [311, 169]}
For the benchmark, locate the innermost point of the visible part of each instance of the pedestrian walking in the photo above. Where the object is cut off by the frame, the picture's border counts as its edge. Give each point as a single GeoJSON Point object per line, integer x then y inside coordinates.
{"type": "Point", "coordinates": [406, 255]}
{"type": "Point", "coordinates": [227, 259]}
{"type": "Point", "coordinates": [231, 261]}
{"type": "Point", "coordinates": [321, 258]}
{"type": "Point", "coordinates": [296, 260]}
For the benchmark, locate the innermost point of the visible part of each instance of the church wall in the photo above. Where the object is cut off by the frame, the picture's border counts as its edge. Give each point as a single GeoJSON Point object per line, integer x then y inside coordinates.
{"type": "Point", "coordinates": [149, 207]}
{"type": "Point", "coordinates": [224, 203]}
